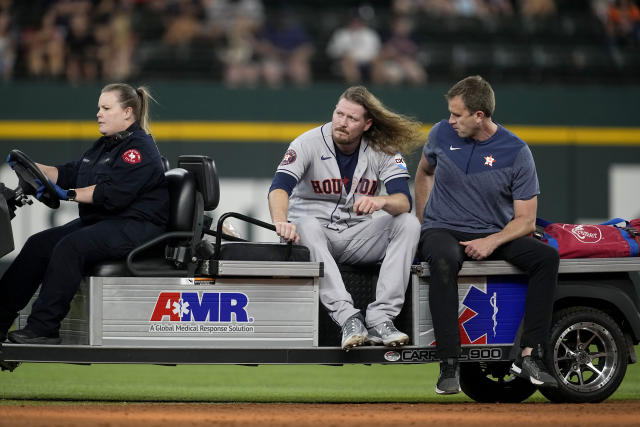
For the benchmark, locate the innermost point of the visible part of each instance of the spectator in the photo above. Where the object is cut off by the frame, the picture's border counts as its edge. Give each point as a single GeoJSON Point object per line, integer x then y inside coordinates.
{"type": "Point", "coordinates": [118, 66]}
{"type": "Point", "coordinates": [285, 50]}
{"type": "Point", "coordinates": [7, 46]}
{"type": "Point", "coordinates": [81, 50]}
{"type": "Point", "coordinates": [496, 8]}
{"type": "Point", "coordinates": [239, 54]}
{"type": "Point", "coordinates": [430, 7]}
{"type": "Point", "coordinates": [623, 23]}
{"type": "Point", "coordinates": [114, 38]}
{"type": "Point", "coordinates": [66, 9]}
{"type": "Point", "coordinates": [470, 8]}
{"type": "Point", "coordinates": [398, 61]}
{"type": "Point", "coordinates": [150, 23]}
{"type": "Point", "coordinates": [355, 47]}
{"type": "Point", "coordinates": [233, 27]}
{"type": "Point", "coordinates": [600, 9]}
{"type": "Point", "coordinates": [183, 25]}
{"type": "Point", "coordinates": [220, 15]}
{"type": "Point", "coordinates": [45, 47]}
{"type": "Point", "coordinates": [537, 8]}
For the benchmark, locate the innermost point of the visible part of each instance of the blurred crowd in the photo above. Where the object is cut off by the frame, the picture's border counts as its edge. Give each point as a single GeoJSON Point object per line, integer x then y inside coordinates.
{"type": "Point", "coordinates": [251, 42]}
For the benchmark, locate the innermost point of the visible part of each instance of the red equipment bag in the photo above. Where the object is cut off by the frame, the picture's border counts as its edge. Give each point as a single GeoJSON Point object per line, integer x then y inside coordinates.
{"type": "Point", "coordinates": [606, 240]}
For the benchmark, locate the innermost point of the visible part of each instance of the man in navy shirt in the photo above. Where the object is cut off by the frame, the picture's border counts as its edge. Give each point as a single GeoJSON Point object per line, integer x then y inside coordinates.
{"type": "Point", "coordinates": [476, 196]}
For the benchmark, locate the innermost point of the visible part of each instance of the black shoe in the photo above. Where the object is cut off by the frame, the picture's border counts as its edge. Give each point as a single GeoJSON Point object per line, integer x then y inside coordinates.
{"type": "Point", "coordinates": [449, 378]}
{"type": "Point", "coordinates": [26, 336]}
{"type": "Point", "coordinates": [532, 369]}
{"type": "Point", "coordinates": [6, 321]}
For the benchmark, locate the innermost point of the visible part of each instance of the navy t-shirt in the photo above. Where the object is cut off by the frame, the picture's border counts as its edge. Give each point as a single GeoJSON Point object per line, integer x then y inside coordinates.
{"type": "Point", "coordinates": [476, 182]}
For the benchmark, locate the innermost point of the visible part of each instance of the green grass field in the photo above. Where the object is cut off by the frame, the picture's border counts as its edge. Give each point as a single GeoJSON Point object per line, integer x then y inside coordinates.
{"type": "Point", "coordinates": [146, 383]}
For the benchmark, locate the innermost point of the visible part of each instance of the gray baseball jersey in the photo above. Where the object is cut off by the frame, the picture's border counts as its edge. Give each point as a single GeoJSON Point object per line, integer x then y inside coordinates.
{"type": "Point", "coordinates": [320, 192]}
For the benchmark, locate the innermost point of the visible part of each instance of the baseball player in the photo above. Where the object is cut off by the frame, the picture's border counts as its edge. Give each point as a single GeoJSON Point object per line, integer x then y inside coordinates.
{"type": "Point", "coordinates": [323, 195]}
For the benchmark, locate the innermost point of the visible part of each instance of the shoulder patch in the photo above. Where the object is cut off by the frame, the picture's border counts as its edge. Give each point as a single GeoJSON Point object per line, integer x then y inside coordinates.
{"type": "Point", "coordinates": [400, 161]}
{"type": "Point", "coordinates": [289, 157]}
{"type": "Point", "coordinates": [132, 156]}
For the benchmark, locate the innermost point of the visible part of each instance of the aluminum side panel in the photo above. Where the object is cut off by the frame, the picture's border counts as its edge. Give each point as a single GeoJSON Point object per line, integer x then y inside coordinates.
{"type": "Point", "coordinates": [278, 312]}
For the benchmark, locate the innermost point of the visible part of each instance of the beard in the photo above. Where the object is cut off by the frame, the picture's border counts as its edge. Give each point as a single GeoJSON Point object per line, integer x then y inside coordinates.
{"type": "Point", "coordinates": [342, 138]}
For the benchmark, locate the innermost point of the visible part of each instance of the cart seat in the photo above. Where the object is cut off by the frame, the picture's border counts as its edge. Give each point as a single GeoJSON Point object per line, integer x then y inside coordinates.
{"type": "Point", "coordinates": [193, 189]}
{"type": "Point", "coordinates": [180, 233]}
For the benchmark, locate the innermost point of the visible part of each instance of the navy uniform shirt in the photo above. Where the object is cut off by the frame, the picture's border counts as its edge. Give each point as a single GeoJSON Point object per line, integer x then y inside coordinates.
{"type": "Point", "coordinates": [129, 178]}
{"type": "Point", "coordinates": [476, 182]}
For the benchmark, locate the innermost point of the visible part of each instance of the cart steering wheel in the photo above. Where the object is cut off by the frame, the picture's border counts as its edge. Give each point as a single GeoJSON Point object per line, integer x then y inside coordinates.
{"type": "Point", "coordinates": [30, 178]}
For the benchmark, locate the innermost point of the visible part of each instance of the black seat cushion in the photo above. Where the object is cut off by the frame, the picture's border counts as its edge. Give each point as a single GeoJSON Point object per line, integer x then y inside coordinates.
{"type": "Point", "coordinates": [182, 199]}
{"type": "Point", "coordinates": [151, 259]}
{"type": "Point", "coordinates": [236, 251]}
{"type": "Point", "coordinates": [203, 169]}
{"type": "Point", "coordinates": [247, 251]}
{"type": "Point", "coordinates": [118, 268]}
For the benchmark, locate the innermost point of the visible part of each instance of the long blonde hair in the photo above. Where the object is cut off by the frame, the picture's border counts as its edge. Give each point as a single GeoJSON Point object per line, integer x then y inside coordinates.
{"type": "Point", "coordinates": [390, 132]}
{"type": "Point", "coordinates": [138, 99]}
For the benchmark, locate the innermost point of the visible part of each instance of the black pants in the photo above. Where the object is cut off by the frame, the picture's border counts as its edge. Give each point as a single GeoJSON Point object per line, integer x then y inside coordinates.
{"type": "Point", "coordinates": [442, 250]}
{"type": "Point", "coordinates": [57, 258]}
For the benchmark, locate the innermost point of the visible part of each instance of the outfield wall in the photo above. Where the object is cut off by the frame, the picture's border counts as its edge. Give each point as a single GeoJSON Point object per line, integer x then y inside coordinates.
{"type": "Point", "coordinates": [585, 139]}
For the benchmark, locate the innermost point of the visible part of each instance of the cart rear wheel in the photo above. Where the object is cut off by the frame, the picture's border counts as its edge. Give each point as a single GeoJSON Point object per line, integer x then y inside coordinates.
{"type": "Point", "coordinates": [587, 354]}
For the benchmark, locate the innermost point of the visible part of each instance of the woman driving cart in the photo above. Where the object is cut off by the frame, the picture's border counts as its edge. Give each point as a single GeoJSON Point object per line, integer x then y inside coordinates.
{"type": "Point", "coordinates": [123, 201]}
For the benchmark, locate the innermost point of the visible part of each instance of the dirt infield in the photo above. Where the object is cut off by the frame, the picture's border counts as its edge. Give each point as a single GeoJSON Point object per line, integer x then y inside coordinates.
{"type": "Point", "coordinates": [615, 413]}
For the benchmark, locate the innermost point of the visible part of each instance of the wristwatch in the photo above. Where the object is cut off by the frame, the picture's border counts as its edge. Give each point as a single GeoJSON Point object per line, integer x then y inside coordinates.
{"type": "Point", "coordinates": [71, 195]}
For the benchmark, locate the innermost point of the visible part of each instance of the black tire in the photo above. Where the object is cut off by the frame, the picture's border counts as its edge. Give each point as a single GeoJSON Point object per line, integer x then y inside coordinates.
{"type": "Point", "coordinates": [492, 382]}
{"type": "Point", "coordinates": [587, 354]}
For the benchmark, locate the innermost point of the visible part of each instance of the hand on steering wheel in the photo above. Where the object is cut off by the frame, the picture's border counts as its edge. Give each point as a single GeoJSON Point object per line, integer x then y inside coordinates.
{"type": "Point", "coordinates": [32, 180]}
{"type": "Point", "coordinates": [62, 193]}
{"type": "Point", "coordinates": [11, 163]}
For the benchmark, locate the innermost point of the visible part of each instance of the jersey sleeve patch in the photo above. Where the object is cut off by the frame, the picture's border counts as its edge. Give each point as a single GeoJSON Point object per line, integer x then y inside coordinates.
{"type": "Point", "coordinates": [132, 156]}
{"type": "Point", "coordinates": [290, 156]}
{"type": "Point", "coordinates": [400, 161]}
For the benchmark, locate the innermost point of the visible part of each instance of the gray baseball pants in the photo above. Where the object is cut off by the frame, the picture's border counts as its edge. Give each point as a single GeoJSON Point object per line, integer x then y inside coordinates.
{"type": "Point", "coordinates": [392, 239]}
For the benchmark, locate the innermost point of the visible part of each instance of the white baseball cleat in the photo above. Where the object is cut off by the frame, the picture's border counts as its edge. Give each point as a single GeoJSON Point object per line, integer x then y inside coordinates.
{"type": "Point", "coordinates": [387, 334]}
{"type": "Point", "coordinates": [354, 332]}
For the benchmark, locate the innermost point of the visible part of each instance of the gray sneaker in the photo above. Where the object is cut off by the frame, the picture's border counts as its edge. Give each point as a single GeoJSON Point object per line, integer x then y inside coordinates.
{"type": "Point", "coordinates": [449, 378]}
{"type": "Point", "coordinates": [532, 369]}
{"type": "Point", "coordinates": [387, 334]}
{"type": "Point", "coordinates": [353, 332]}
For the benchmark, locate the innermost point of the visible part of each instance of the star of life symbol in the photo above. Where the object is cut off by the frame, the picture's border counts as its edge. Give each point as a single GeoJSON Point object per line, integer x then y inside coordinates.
{"type": "Point", "coordinates": [180, 307]}
{"type": "Point", "coordinates": [488, 160]}
{"type": "Point", "coordinates": [494, 304]}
